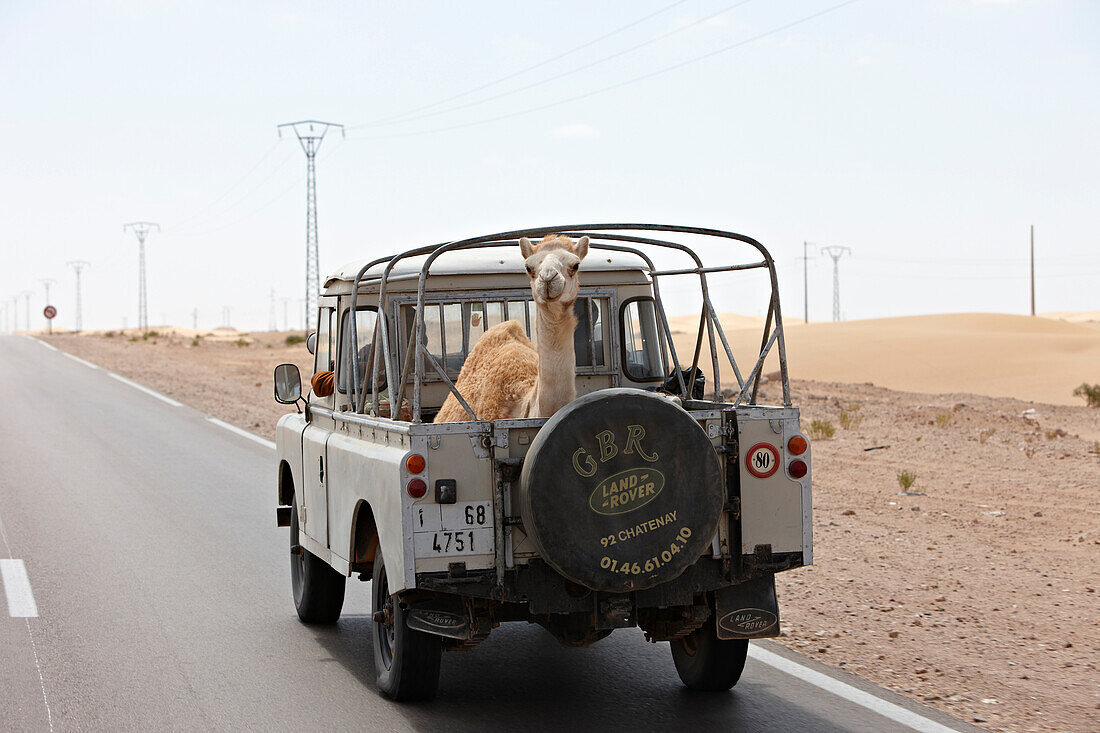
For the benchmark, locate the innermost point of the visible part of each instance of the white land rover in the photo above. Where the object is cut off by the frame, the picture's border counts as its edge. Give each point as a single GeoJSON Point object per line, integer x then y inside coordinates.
{"type": "Point", "coordinates": [644, 502]}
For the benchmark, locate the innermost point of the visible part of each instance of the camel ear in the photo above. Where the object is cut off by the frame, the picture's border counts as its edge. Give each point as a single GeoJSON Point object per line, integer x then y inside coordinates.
{"type": "Point", "coordinates": [581, 248]}
{"type": "Point", "coordinates": [526, 248]}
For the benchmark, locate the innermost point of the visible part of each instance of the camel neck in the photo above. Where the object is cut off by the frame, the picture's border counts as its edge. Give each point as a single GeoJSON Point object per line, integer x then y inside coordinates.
{"type": "Point", "coordinates": [557, 359]}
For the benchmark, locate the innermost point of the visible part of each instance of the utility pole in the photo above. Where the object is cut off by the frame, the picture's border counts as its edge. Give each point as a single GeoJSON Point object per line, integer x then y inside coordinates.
{"type": "Point", "coordinates": [272, 322]}
{"type": "Point", "coordinates": [78, 266]}
{"type": "Point", "coordinates": [310, 133]}
{"type": "Point", "coordinates": [195, 319]}
{"type": "Point", "coordinates": [46, 283]}
{"type": "Point", "coordinates": [1032, 269]}
{"type": "Point", "coordinates": [836, 252]}
{"type": "Point", "coordinates": [286, 323]}
{"type": "Point", "coordinates": [805, 280]}
{"type": "Point", "coordinates": [225, 316]}
{"type": "Point", "coordinates": [141, 229]}
{"type": "Point", "coordinates": [14, 313]}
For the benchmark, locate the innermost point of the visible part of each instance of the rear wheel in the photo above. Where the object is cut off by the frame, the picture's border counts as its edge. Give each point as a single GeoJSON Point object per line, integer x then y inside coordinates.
{"type": "Point", "coordinates": [318, 589]}
{"type": "Point", "coordinates": [406, 661]}
{"type": "Point", "coordinates": [705, 662]}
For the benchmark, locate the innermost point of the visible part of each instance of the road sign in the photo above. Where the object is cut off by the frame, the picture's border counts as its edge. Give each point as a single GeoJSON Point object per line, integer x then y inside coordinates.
{"type": "Point", "coordinates": [49, 311]}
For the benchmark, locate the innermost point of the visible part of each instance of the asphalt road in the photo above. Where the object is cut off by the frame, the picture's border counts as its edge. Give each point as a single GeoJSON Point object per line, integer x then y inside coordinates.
{"type": "Point", "coordinates": [162, 591]}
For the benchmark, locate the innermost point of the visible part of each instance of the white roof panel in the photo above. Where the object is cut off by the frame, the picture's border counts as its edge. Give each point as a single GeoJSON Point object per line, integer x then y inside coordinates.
{"type": "Point", "coordinates": [496, 260]}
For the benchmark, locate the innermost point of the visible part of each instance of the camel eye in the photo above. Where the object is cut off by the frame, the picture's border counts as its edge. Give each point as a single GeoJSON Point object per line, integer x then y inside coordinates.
{"type": "Point", "coordinates": [529, 270]}
{"type": "Point", "coordinates": [576, 266]}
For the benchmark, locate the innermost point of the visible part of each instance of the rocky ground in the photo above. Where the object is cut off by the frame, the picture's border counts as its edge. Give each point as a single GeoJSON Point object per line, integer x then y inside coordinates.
{"type": "Point", "coordinates": [957, 537]}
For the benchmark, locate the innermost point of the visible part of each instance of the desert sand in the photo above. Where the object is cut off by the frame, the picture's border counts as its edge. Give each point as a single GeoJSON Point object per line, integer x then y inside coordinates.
{"type": "Point", "coordinates": [975, 591]}
{"type": "Point", "coordinates": [1037, 359]}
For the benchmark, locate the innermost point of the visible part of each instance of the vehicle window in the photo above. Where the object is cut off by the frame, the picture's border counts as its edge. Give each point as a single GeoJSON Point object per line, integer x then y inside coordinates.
{"type": "Point", "coordinates": [366, 318]}
{"type": "Point", "coordinates": [323, 356]}
{"type": "Point", "coordinates": [642, 361]}
{"type": "Point", "coordinates": [453, 329]}
{"type": "Point", "coordinates": [588, 336]}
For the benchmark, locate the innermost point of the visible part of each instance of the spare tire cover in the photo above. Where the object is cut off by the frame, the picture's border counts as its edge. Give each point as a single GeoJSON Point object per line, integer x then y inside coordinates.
{"type": "Point", "coordinates": [621, 490]}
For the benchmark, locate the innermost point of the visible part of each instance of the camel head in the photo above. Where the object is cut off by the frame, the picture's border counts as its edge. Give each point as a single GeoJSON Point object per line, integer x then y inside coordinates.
{"type": "Point", "coordinates": [552, 264]}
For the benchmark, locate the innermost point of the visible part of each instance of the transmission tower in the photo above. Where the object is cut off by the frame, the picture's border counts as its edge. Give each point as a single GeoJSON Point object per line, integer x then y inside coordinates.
{"type": "Point", "coordinates": [78, 266]}
{"type": "Point", "coordinates": [14, 313]}
{"type": "Point", "coordinates": [310, 133]}
{"type": "Point", "coordinates": [272, 323]}
{"type": "Point", "coordinates": [141, 229]}
{"type": "Point", "coordinates": [195, 319]}
{"type": "Point", "coordinates": [27, 316]}
{"type": "Point", "coordinates": [46, 283]}
{"type": "Point", "coordinates": [836, 252]}
{"type": "Point", "coordinates": [225, 316]}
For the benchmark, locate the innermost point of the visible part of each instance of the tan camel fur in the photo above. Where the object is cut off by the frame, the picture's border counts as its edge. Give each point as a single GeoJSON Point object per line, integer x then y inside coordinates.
{"type": "Point", "coordinates": [506, 375]}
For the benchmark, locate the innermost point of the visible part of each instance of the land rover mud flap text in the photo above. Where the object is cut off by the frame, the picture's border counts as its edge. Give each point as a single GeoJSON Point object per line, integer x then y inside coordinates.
{"type": "Point", "coordinates": [747, 610]}
{"type": "Point", "coordinates": [621, 490]}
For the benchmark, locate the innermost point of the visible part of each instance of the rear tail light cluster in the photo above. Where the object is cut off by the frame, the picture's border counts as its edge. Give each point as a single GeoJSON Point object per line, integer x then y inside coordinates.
{"type": "Point", "coordinates": [416, 487]}
{"type": "Point", "coordinates": [796, 446]}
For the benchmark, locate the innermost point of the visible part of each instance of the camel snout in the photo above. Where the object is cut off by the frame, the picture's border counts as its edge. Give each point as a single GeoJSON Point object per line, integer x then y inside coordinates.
{"type": "Point", "coordinates": [550, 287]}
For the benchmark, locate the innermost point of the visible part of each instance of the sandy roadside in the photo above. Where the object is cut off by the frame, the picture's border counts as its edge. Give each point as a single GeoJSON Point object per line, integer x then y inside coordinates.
{"type": "Point", "coordinates": [976, 592]}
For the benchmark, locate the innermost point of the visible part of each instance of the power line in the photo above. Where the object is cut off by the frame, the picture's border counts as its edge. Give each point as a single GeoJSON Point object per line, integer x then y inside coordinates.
{"type": "Point", "coordinates": [141, 229]}
{"type": "Point", "coordinates": [310, 134]}
{"type": "Point", "coordinates": [78, 266]}
{"type": "Point", "coordinates": [617, 85]}
{"type": "Point", "coordinates": [520, 72]}
{"type": "Point", "coordinates": [570, 72]}
{"type": "Point", "coordinates": [229, 190]}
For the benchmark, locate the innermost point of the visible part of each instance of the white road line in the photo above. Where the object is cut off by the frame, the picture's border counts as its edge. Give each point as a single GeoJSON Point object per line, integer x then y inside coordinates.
{"type": "Point", "coordinates": [78, 359]}
{"type": "Point", "coordinates": [30, 633]}
{"type": "Point", "coordinates": [242, 432]}
{"type": "Point", "coordinates": [48, 346]}
{"type": "Point", "coordinates": [17, 587]}
{"type": "Point", "coordinates": [146, 390]}
{"type": "Point", "coordinates": [896, 713]}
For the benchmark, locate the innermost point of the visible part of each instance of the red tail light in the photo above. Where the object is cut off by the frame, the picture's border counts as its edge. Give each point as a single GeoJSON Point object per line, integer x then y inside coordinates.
{"type": "Point", "coordinates": [417, 488]}
{"type": "Point", "coordinates": [797, 469]}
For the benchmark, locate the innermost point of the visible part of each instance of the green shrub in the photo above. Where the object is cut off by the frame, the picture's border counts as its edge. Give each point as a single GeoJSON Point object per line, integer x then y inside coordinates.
{"type": "Point", "coordinates": [850, 417]}
{"type": "Point", "coordinates": [906, 479]}
{"type": "Point", "coordinates": [294, 339]}
{"type": "Point", "coordinates": [943, 419]}
{"type": "Point", "coordinates": [1090, 393]}
{"type": "Point", "coordinates": [822, 430]}
{"type": "Point", "coordinates": [241, 342]}
{"type": "Point", "coordinates": [986, 435]}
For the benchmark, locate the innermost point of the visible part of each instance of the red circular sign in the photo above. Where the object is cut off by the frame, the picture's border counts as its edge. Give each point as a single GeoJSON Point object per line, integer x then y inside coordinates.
{"type": "Point", "coordinates": [49, 311]}
{"type": "Point", "coordinates": [762, 460]}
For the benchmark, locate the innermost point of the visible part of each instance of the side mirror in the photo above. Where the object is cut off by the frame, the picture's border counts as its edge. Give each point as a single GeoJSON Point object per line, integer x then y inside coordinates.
{"type": "Point", "coordinates": [311, 342]}
{"type": "Point", "coordinates": [288, 384]}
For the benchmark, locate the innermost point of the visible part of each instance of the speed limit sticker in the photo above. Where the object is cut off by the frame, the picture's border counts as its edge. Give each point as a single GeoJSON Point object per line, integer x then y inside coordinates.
{"type": "Point", "coordinates": [762, 460]}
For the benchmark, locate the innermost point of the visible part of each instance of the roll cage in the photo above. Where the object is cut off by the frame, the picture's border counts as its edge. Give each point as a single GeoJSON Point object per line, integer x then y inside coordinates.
{"type": "Point", "coordinates": [611, 237]}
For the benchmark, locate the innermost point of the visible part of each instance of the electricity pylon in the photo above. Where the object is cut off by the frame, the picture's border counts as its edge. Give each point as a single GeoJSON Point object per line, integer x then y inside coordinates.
{"type": "Point", "coordinates": [27, 316]}
{"type": "Point", "coordinates": [78, 266]}
{"type": "Point", "coordinates": [141, 229]}
{"type": "Point", "coordinates": [310, 133]}
{"type": "Point", "coordinates": [836, 252]}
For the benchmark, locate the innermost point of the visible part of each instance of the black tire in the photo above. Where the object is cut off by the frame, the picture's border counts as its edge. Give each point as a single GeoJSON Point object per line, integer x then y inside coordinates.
{"type": "Point", "coordinates": [406, 661]}
{"type": "Point", "coordinates": [318, 589]}
{"type": "Point", "coordinates": [707, 663]}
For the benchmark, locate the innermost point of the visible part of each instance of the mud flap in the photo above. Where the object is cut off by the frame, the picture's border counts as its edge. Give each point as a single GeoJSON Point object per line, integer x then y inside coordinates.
{"type": "Point", "coordinates": [747, 610]}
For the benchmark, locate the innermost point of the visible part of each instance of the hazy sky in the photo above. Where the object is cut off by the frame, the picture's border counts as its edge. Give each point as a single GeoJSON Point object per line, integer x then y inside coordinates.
{"type": "Point", "coordinates": [925, 135]}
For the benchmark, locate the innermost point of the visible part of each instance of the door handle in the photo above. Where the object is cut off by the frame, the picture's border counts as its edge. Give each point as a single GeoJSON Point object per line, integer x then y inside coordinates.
{"type": "Point", "coordinates": [321, 472]}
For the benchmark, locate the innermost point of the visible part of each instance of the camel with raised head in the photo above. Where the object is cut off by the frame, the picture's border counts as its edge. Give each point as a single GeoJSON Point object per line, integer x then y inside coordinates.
{"type": "Point", "coordinates": [506, 375]}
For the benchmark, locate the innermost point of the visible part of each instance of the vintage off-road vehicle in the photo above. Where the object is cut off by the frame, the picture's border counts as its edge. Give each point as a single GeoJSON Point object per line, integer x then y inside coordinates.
{"type": "Point", "coordinates": [643, 502]}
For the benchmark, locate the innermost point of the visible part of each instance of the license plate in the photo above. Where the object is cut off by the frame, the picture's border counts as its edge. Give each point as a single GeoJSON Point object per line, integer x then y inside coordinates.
{"type": "Point", "coordinates": [446, 543]}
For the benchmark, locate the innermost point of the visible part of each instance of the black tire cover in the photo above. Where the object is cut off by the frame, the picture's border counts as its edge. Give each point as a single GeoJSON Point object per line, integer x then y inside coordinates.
{"type": "Point", "coordinates": [621, 490]}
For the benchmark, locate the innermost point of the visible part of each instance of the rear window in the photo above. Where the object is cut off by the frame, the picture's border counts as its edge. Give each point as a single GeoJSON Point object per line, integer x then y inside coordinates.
{"type": "Point", "coordinates": [641, 343]}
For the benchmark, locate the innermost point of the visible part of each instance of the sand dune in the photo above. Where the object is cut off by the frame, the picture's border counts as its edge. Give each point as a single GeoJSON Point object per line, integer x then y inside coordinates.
{"type": "Point", "coordinates": [1038, 359]}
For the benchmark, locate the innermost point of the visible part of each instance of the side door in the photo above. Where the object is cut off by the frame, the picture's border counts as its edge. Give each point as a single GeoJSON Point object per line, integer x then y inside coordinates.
{"type": "Point", "coordinates": [313, 512]}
